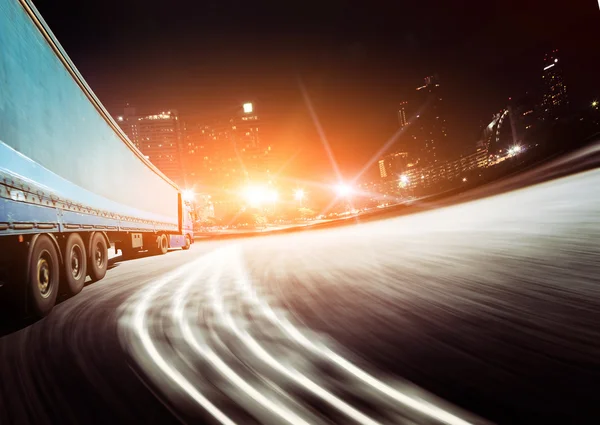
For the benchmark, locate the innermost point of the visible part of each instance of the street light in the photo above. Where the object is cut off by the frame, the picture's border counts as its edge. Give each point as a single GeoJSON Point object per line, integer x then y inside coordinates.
{"type": "Point", "coordinates": [187, 195]}
{"type": "Point", "coordinates": [514, 150]}
{"type": "Point", "coordinates": [595, 104]}
{"type": "Point", "coordinates": [343, 190]}
{"type": "Point", "coordinates": [299, 195]}
{"type": "Point", "coordinates": [256, 196]}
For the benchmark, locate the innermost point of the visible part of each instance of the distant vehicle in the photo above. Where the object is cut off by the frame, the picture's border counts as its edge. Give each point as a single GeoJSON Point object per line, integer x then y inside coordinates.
{"type": "Point", "coordinates": [70, 180]}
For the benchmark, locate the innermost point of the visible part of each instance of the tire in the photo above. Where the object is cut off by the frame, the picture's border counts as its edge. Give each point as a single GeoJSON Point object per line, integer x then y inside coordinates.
{"type": "Point", "coordinates": [43, 276]}
{"type": "Point", "coordinates": [75, 264]}
{"type": "Point", "coordinates": [98, 258]}
{"type": "Point", "coordinates": [188, 243]}
{"type": "Point", "coordinates": [163, 246]}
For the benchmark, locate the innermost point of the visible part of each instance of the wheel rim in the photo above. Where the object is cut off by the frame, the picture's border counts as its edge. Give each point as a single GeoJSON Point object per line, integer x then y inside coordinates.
{"type": "Point", "coordinates": [99, 255]}
{"type": "Point", "coordinates": [76, 261]}
{"type": "Point", "coordinates": [44, 274]}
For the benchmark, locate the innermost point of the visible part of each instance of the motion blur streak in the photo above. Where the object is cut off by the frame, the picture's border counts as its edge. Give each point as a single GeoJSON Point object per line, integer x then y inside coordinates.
{"type": "Point", "coordinates": [335, 325]}
{"type": "Point", "coordinates": [141, 327]}
{"type": "Point", "coordinates": [419, 405]}
{"type": "Point", "coordinates": [293, 374]}
{"type": "Point", "coordinates": [179, 306]}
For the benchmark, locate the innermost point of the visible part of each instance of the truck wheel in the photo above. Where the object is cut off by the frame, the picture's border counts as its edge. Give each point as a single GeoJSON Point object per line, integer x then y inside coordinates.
{"type": "Point", "coordinates": [98, 259]}
{"type": "Point", "coordinates": [75, 264]}
{"type": "Point", "coordinates": [163, 246]}
{"type": "Point", "coordinates": [43, 274]}
{"type": "Point", "coordinates": [187, 242]}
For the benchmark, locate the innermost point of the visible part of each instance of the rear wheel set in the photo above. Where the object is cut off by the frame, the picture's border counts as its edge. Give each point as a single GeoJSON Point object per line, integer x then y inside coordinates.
{"type": "Point", "coordinates": [46, 272]}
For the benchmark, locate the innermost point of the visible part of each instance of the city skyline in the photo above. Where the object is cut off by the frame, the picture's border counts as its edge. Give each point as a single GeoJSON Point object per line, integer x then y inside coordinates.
{"type": "Point", "coordinates": [226, 155]}
{"type": "Point", "coordinates": [268, 53]}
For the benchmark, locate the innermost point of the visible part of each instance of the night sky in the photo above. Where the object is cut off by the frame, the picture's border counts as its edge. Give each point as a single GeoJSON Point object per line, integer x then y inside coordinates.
{"type": "Point", "coordinates": [357, 60]}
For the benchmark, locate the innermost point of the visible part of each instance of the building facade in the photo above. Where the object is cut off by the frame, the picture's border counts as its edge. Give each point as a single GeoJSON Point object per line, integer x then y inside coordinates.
{"type": "Point", "coordinates": [554, 98]}
{"type": "Point", "coordinates": [402, 120]}
{"type": "Point", "coordinates": [227, 154]}
{"type": "Point", "coordinates": [159, 138]}
{"type": "Point", "coordinates": [428, 129]}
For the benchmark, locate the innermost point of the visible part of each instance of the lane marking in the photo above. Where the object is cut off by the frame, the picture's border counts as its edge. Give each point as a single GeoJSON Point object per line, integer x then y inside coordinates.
{"type": "Point", "coordinates": [141, 328]}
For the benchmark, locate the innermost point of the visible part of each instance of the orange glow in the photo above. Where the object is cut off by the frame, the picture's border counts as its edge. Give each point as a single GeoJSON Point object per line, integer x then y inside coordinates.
{"type": "Point", "coordinates": [344, 190]}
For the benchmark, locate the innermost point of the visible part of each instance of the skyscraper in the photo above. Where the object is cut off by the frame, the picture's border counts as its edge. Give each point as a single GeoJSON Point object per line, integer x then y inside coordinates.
{"type": "Point", "coordinates": [158, 137]}
{"type": "Point", "coordinates": [402, 121]}
{"type": "Point", "coordinates": [249, 149]}
{"type": "Point", "coordinates": [228, 153]}
{"type": "Point", "coordinates": [554, 98]}
{"type": "Point", "coordinates": [198, 155]}
{"type": "Point", "coordinates": [428, 128]}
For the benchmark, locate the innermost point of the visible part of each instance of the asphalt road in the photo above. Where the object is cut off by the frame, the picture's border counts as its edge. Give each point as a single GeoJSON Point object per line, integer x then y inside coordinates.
{"type": "Point", "coordinates": [490, 307]}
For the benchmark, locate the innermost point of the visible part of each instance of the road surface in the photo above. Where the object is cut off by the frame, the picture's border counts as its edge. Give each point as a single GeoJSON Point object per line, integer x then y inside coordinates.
{"type": "Point", "coordinates": [486, 311]}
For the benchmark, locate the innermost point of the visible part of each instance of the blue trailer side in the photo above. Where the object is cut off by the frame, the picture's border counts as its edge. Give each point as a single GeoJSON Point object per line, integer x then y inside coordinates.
{"type": "Point", "coordinates": [70, 180]}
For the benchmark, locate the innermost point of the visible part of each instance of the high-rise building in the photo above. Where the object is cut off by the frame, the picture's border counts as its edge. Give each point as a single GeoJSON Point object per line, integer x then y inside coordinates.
{"type": "Point", "coordinates": [159, 138]}
{"type": "Point", "coordinates": [427, 131]}
{"type": "Point", "coordinates": [198, 155]}
{"type": "Point", "coordinates": [223, 156]}
{"type": "Point", "coordinates": [251, 153]}
{"type": "Point", "coordinates": [402, 121]}
{"type": "Point", "coordinates": [554, 98]}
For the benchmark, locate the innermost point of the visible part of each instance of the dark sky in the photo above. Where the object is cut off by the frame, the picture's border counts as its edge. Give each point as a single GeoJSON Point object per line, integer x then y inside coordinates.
{"type": "Point", "coordinates": [357, 60]}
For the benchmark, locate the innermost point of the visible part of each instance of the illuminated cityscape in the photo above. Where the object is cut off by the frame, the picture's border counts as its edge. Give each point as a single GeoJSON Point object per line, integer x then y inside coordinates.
{"type": "Point", "coordinates": [227, 158]}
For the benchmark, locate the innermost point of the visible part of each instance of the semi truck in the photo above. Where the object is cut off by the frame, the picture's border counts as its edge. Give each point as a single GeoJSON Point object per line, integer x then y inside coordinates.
{"type": "Point", "coordinates": [71, 182]}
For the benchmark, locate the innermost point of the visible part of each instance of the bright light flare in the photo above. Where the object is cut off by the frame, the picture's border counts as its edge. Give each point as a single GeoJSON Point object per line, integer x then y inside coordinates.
{"type": "Point", "coordinates": [343, 190]}
{"type": "Point", "coordinates": [299, 194]}
{"type": "Point", "coordinates": [256, 196]}
{"type": "Point", "coordinates": [272, 196]}
{"type": "Point", "coordinates": [187, 195]}
{"type": "Point", "coordinates": [514, 150]}
{"type": "Point", "coordinates": [404, 179]}
{"type": "Point", "coordinates": [248, 108]}
{"type": "Point", "coordinates": [595, 102]}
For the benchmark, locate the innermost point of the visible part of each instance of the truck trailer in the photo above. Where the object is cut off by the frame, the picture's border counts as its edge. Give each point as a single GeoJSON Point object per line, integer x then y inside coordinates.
{"type": "Point", "coordinates": [71, 182]}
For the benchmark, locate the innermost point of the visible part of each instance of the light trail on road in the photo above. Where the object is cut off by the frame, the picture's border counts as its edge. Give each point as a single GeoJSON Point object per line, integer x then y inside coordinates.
{"type": "Point", "coordinates": [212, 274]}
{"type": "Point", "coordinates": [141, 327]}
{"type": "Point", "coordinates": [427, 409]}
{"type": "Point", "coordinates": [179, 311]}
